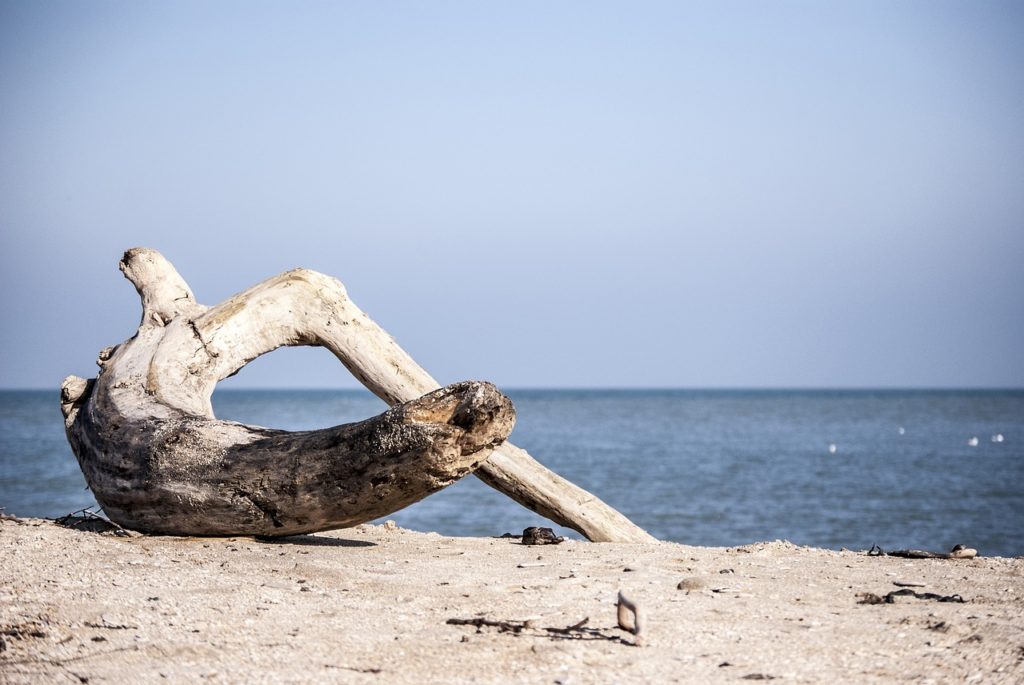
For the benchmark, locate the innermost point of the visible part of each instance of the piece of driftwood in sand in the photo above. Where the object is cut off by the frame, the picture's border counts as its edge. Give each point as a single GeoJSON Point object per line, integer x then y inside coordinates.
{"type": "Point", "coordinates": [158, 460]}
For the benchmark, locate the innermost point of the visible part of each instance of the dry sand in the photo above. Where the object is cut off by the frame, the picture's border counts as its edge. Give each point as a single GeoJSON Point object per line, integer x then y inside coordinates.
{"type": "Point", "coordinates": [372, 605]}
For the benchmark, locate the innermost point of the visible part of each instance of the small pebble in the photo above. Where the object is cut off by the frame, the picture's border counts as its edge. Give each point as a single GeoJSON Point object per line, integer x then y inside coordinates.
{"type": "Point", "coordinates": [691, 584]}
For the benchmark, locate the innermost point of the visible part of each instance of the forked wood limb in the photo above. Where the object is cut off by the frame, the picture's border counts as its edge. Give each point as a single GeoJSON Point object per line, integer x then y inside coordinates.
{"type": "Point", "coordinates": [168, 371]}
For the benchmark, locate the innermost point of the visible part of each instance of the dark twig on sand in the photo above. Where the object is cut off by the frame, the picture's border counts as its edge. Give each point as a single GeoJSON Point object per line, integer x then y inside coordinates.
{"type": "Point", "coordinates": [481, 622]}
{"type": "Point", "coordinates": [890, 598]}
{"type": "Point", "coordinates": [87, 519]}
{"type": "Point", "coordinates": [577, 631]}
{"type": "Point", "coordinates": [958, 552]}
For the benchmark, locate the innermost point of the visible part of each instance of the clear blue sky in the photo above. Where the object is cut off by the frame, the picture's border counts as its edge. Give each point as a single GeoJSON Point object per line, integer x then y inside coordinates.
{"type": "Point", "coordinates": [543, 194]}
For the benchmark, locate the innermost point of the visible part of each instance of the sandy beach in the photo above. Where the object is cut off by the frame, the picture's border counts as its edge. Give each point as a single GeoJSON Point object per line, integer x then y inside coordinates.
{"type": "Point", "coordinates": [377, 604]}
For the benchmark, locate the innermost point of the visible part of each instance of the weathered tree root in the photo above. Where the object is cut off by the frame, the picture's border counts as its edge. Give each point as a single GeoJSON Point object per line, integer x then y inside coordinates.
{"type": "Point", "coordinates": [158, 460]}
{"type": "Point", "coordinates": [192, 475]}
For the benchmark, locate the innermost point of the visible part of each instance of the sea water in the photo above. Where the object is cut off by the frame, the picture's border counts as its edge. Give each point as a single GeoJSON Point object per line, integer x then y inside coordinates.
{"type": "Point", "coordinates": [900, 469]}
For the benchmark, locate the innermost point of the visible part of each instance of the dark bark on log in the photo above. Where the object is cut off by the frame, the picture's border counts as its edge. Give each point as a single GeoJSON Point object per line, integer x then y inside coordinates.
{"type": "Point", "coordinates": [190, 475]}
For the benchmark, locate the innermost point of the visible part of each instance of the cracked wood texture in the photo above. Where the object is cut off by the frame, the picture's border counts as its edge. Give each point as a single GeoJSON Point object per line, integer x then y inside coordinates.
{"type": "Point", "coordinates": [157, 386]}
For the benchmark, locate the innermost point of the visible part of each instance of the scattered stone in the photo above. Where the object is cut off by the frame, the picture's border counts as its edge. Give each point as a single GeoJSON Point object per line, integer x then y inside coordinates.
{"type": "Point", "coordinates": [540, 536]}
{"type": "Point", "coordinates": [624, 608]}
{"type": "Point", "coordinates": [962, 552]}
{"type": "Point", "coordinates": [691, 584]}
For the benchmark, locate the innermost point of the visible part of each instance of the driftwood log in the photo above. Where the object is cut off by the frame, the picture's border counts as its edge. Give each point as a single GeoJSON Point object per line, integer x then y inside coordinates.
{"type": "Point", "coordinates": [158, 460]}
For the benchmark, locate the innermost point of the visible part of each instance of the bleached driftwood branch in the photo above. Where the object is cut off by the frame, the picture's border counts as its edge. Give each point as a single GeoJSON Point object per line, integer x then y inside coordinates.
{"type": "Point", "coordinates": [154, 391]}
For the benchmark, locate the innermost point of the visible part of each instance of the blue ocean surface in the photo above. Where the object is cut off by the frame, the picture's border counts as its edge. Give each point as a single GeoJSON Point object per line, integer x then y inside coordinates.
{"type": "Point", "coordinates": [900, 469]}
